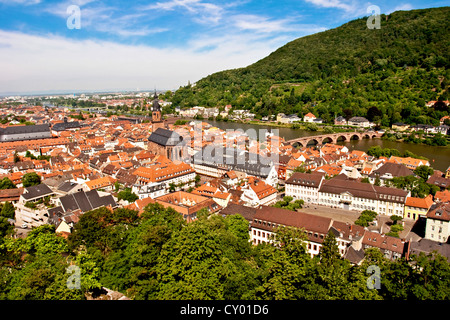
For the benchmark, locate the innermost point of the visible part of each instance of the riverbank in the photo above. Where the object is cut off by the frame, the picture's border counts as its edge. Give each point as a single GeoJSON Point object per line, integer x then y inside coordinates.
{"type": "Point", "coordinates": [429, 140]}
{"type": "Point", "coordinates": [439, 157]}
{"type": "Point", "coordinates": [307, 126]}
{"type": "Point", "coordinates": [434, 139]}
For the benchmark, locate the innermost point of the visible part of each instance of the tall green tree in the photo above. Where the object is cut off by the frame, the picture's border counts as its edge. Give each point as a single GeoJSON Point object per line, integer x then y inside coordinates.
{"type": "Point", "coordinates": [31, 179]}
{"type": "Point", "coordinates": [8, 210]}
{"type": "Point", "coordinates": [6, 183]}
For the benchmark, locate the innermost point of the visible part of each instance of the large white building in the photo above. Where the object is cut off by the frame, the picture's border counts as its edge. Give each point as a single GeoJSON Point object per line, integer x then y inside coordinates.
{"type": "Point", "coordinates": [304, 186]}
{"type": "Point", "coordinates": [348, 194]}
{"type": "Point", "coordinates": [342, 192]}
{"type": "Point", "coordinates": [259, 193]}
{"type": "Point", "coordinates": [267, 219]}
{"type": "Point", "coordinates": [216, 161]}
{"type": "Point", "coordinates": [30, 209]}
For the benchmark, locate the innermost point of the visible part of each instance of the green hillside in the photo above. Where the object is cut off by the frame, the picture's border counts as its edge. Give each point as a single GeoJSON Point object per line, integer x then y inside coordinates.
{"type": "Point", "coordinates": [344, 71]}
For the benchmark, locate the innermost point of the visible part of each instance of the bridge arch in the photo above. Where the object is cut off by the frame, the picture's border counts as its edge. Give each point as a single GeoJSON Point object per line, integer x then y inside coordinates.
{"type": "Point", "coordinates": [332, 138]}
{"type": "Point", "coordinates": [312, 142]}
{"type": "Point", "coordinates": [328, 140]}
{"type": "Point", "coordinates": [297, 144]}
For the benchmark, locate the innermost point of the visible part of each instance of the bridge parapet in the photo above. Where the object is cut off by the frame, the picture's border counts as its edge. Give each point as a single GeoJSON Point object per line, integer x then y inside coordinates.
{"type": "Point", "coordinates": [334, 137]}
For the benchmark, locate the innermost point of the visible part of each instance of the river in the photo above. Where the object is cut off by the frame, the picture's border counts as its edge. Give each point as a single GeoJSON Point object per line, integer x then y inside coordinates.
{"type": "Point", "coordinates": [439, 156]}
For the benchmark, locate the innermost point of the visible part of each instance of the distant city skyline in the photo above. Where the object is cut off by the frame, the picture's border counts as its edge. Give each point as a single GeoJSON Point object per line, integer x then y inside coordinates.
{"type": "Point", "coordinates": [165, 44]}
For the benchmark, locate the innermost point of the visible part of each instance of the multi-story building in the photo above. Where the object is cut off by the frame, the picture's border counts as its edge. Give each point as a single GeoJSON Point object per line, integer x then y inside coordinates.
{"type": "Point", "coordinates": [347, 194]}
{"type": "Point", "coordinates": [388, 171]}
{"type": "Point", "coordinates": [391, 247]}
{"type": "Point", "coordinates": [30, 209]}
{"type": "Point", "coordinates": [351, 239]}
{"type": "Point", "coordinates": [188, 204]}
{"type": "Point", "coordinates": [267, 219]}
{"type": "Point", "coordinates": [438, 221]}
{"type": "Point", "coordinates": [216, 161]}
{"type": "Point", "coordinates": [416, 208]}
{"type": "Point", "coordinates": [152, 190]}
{"type": "Point", "coordinates": [410, 163]}
{"type": "Point", "coordinates": [176, 174]}
{"type": "Point", "coordinates": [304, 186]}
{"type": "Point", "coordinates": [258, 193]}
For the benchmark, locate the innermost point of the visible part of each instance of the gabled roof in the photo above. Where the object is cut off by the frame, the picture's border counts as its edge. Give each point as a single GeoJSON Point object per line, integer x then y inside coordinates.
{"type": "Point", "coordinates": [38, 191]}
{"type": "Point", "coordinates": [309, 115]}
{"type": "Point", "coordinates": [419, 202]}
{"type": "Point", "coordinates": [233, 159]}
{"type": "Point", "coordinates": [395, 169]}
{"type": "Point", "coordinates": [440, 211]}
{"type": "Point", "coordinates": [306, 179]}
{"type": "Point", "coordinates": [383, 242]}
{"type": "Point", "coordinates": [61, 126]}
{"type": "Point", "coordinates": [86, 201]}
{"type": "Point", "coordinates": [247, 212]}
{"type": "Point", "coordinates": [292, 218]}
{"type": "Point", "coordinates": [428, 246]}
{"type": "Point", "coordinates": [165, 137]}
{"type": "Point", "coordinates": [11, 133]}
{"type": "Point", "coordinates": [354, 256]}
{"type": "Point", "coordinates": [341, 184]}
{"type": "Point", "coordinates": [262, 189]}
{"type": "Point", "coordinates": [66, 186]}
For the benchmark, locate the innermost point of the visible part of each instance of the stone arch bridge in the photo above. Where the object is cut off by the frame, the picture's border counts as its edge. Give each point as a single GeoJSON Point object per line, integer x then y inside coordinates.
{"type": "Point", "coordinates": [333, 138]}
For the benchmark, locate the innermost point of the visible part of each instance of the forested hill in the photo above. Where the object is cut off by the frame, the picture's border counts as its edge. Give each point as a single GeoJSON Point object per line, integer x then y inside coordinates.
{"type": "Point", "coordinates": [344, 71]}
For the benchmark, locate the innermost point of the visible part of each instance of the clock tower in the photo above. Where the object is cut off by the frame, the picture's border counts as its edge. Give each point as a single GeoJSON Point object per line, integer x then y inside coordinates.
{"type": "Point", "coordinates": [157, 121]}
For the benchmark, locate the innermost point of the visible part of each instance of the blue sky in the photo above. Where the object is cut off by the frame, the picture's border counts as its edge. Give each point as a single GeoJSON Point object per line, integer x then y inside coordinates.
{"type": "Point", "coordinates": [129, 45]}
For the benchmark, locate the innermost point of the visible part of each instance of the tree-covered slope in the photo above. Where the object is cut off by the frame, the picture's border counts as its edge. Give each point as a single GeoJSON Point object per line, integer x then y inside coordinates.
{"type": "Point", "coordinates": [343, 71]}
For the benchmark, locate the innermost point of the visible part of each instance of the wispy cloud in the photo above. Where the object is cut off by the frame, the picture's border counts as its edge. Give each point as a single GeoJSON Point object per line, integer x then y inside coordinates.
{"type": "Point", "coordinates": [20, 2]}
{"type": "Point", "coordinates": [108, 19]}
{"type": "Point", "coordinates": [205, 12]}
{"type": "Point", "coordinates": [404, 6]}
{"type": "Point", "coordinates": [101, 65]}
{"type": "Point", "coordinates": [260, 24]}
{"type": "Point", "coordinates": [331, 4]}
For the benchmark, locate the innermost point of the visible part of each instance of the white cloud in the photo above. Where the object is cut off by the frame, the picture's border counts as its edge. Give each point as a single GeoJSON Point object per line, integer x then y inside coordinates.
{"type": "Point", "coordinates": [332, 4]}
{"type": "Point", "coordinates": [260, 24]}
{"type": "Point", "coordinates": [21, 2]}
{"type": "Point", "coordinates": [107, 19]}
{"type": "Point", "coordinates": [33, 63]}
{"type": "Point", "coordinates": [205, 12]}
{"type": "Point", "coordinates": [404, 6]}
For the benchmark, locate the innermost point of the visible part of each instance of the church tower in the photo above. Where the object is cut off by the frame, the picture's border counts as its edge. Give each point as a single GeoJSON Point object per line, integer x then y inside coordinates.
{"type": "Point", "coordinates": [157, 121]}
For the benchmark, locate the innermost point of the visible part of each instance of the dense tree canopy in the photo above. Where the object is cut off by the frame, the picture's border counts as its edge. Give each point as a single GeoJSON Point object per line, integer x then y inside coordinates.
{"type": "Point", "coordinates": [386, 75]}
{"type": "Point", "coordinates": [156, 255]}
{"type": "Point", "coordinates": [31, 179]}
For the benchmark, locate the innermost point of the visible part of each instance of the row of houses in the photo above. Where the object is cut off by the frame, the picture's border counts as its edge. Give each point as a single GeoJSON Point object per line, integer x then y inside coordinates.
{"type": "Point", "coordinates": [345, 193]}
{"type": "Point", "coordinates": [426, 128]}
{"type": "Point", "coordinates": [61, 205]}
{"type": "Point", "coordinates": [352, 240]}
{"type": "Point", "coordinates": [360, 122]}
